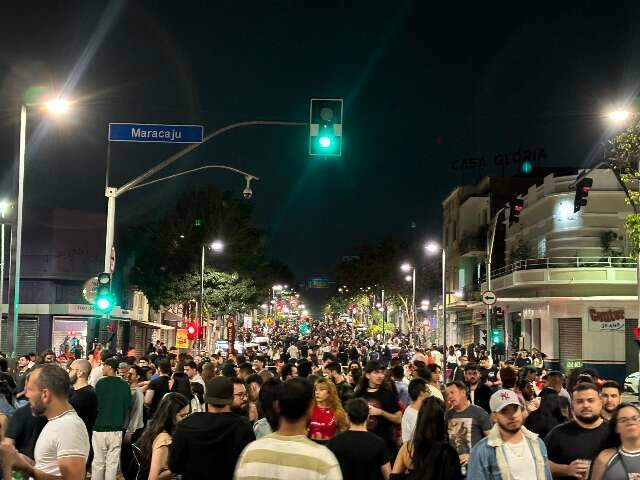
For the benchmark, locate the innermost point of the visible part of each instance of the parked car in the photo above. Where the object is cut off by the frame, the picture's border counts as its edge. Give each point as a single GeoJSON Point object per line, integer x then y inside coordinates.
{"type": "Point", "coordinates": [631, 382]}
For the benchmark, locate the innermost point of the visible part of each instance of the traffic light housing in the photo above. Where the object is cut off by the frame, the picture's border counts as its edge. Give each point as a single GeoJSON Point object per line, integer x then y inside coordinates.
{"type": "Point", "coordinates": [497, 336]}
{"type": "Point", "coordinates": [582, 192]}
{"type": "Point", "coordinates": [104, 299]}
{"type": "Point", "coordinates": [515, 207]}
{"type": "Point", "coordinates": [325, 127]}
{"type": "Point", "coordinates": [192, 330]}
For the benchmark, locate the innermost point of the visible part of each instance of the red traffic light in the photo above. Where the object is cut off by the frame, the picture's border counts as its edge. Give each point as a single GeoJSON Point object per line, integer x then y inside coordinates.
{"type": "Point", "coordinates": [192, 330]}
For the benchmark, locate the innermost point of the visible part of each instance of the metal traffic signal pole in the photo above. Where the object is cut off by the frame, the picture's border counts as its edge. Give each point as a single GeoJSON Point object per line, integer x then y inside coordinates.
{"type": "Point", "coordinates": [489, 255]}
{"type": "Point", "coordinates": [112, 193]}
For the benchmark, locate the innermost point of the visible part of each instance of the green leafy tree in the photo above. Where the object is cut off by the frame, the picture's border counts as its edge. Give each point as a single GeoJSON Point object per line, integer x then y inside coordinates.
{"type": "Point", "coordinates": [624, 157]}
{"type": "Point", "coordinates": [166, 252]}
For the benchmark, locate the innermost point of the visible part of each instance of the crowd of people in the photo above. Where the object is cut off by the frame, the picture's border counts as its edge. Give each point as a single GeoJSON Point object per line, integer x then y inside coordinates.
{"type": "Point", "coordinates": [331, 404]}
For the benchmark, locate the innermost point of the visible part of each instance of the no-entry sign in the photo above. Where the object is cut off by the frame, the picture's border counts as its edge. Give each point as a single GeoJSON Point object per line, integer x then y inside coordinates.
{"type": "Point", "coordinates": [489, 297]}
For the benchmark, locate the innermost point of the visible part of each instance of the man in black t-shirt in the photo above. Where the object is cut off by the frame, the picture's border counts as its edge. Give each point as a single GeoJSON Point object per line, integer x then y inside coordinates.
{"type": "Point", "coordinates": [24, 429]}
{"type": "Point", "coordinates": [573, 445]}
{"type": "Point", "coordinates": [384, 410]}
{"type": "Point", "coordinates": [83, 396]}
{"type": "Point", "coordinates": [361, 454]}
{"type": "Point", "coordinates": [158, 388]}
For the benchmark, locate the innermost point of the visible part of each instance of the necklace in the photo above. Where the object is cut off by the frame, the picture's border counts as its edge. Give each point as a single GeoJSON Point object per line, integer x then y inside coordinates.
{"type": "Point", "coordinates": [517, 449]}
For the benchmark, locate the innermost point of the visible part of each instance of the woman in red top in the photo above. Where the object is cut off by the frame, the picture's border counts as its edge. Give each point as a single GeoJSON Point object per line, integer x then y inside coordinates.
{"type": "Point", "coordinates": [328, 416]}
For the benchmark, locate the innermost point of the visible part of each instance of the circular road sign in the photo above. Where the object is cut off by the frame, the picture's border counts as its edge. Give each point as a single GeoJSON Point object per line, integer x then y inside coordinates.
{"type": "Point", "coordinates": [489, 297]}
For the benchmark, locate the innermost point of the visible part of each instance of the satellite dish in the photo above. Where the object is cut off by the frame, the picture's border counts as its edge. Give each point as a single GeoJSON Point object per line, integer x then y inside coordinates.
{"type": "Point", "coordinates": [90, 289]}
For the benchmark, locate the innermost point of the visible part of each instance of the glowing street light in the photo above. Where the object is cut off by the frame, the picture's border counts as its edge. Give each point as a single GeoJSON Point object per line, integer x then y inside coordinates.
{"type": "Point", "coordinates": [217, 246]}
{"type": "Point", "coordinates": [619, 115]}
{"type": "Point", "coordinates": [408, 278]}
{"type": "Point", "coordinates": [405, 267]}
{"type": "Point", "coordinates": [433, 248]}
{"type": "Point", "coordinates": [58, 106]}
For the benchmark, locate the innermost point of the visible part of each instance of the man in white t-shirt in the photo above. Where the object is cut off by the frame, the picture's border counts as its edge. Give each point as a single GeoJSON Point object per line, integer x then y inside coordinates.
{"type": "Point", "coordinates": [509, 450]}
{"type": "Point", "coordinates": [418, 392]}
{"type": "Point", "coordinates": [63, 445]}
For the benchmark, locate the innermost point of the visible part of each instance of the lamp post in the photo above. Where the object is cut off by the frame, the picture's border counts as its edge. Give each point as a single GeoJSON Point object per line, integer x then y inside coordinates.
{"type": "Point", "coordinates": [406, 267]}
{"type": "Point", "coordinates": [621, 116]}
{"type": "Point", "coordinates": [4, 206]}
{"type": "Point", "coordinates": [217, 247]}
{"type": "Point", "coordinates": [274, 289]}
{"type": "Point", "coordinates": [433, 248]}
{"type": "Point", "coordinates": [57, 106]}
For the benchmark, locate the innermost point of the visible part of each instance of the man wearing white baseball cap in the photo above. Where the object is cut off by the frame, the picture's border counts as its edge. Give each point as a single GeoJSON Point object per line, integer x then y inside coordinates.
{"type": "Point", "coordinates": [510, 451]}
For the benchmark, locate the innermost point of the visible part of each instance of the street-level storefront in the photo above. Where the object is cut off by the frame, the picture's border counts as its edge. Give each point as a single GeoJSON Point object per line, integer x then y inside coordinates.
{"type": "Point", "coordinates": [44, 327]}
{"type": "Point", "coordinates": [146, 333]}
{"type": "Point", "coordinates": [592, 332]}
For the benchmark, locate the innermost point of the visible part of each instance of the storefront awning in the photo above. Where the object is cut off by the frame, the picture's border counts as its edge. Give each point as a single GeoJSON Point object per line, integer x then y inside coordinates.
{"type": "Point", "coordinates": [153, 325]}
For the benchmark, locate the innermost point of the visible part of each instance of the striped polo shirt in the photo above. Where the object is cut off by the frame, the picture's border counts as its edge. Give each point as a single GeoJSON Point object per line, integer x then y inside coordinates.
{"type": "Point", "coordinates": [279, 457]}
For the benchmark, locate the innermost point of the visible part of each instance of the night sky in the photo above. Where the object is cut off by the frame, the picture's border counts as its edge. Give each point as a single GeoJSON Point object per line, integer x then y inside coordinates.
{"type": "Point", "coordinates": [425, 86]}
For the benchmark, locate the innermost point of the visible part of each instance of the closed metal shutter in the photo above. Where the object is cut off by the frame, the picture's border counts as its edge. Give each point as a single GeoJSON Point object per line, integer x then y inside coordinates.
{"type": "Point", "coordinates": [467, 334]}
{"type": "Point", "coordinates": [631, 350]}
{"type": "Point", "coordinates": [570, 339]}
{"type": "Point", "coordinates": [27, 335]}
{"type": "Point", "coordinates": [140, 344]}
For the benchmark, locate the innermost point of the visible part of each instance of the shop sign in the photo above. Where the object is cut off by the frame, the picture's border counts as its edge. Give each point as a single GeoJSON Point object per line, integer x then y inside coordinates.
{"type": "Point", "coordinates": [182, 338]}
{"type": "Point", "coordinates": [606, 319]}
{"type": "Point", "coordinates": [571, 364]}
{"type": "Point", "coordinates": [231, 333]}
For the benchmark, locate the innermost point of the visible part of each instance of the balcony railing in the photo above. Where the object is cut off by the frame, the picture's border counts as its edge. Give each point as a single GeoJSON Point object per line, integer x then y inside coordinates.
{"type": "Point", "coordinates": [564, 262]}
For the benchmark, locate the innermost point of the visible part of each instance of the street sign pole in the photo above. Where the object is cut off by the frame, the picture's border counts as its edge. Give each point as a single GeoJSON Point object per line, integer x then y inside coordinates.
{"type": "Point", "coordinates": [490, 242]}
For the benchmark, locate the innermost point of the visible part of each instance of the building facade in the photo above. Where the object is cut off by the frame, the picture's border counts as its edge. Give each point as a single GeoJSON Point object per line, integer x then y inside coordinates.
{"type": "Point", "coordinates": [467, 215]}
{"type": "Point", "coordinates": [567, 286]}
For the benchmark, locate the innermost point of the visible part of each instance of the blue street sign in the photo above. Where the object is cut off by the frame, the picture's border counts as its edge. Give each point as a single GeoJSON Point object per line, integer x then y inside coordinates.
{"type": "Point", "coordinates": [141, 132]}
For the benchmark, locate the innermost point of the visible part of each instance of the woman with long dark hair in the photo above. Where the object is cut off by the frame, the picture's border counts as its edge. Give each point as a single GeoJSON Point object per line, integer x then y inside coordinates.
{"type": "Point", "coordinates": [267, 410]}
{"type": "Point", "coordinates": [546, 416]}
{"type": "Point", "coordinates": [156, 439]}
{"type": "Point", "coordinates": [428, 456]}
{"type": "Point", "coordinates": [180, 384]}
{"type": "Point", "coordinates": [620, 459]}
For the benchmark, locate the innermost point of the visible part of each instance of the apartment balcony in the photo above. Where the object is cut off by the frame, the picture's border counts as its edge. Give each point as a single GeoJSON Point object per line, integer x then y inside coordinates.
{"type": "Point", "coordinates": [473, 245]}
{"type": "Point", "coordinates": [568, 276]}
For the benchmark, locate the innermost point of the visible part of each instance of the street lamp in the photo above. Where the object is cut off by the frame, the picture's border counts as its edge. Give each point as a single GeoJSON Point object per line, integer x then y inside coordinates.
{"type": "Point", "coordinates": [406, 267]}
{"type": "Point", "coordinates": [217, 246]}
{"type": "Point", "coordinates": [619, 115]}
{"type": "Point", "coordinates": [58, 106]}
{"type": "Point", "coordinates": [4, 207]}
{"type": "Point", "coordinates": [433, 248]}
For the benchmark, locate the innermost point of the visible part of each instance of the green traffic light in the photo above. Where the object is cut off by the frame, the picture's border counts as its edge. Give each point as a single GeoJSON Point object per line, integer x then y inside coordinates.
{"type": "Point", "coordinates": [325, 142]}
{"type": "Point", "coordinates": [104, 304]}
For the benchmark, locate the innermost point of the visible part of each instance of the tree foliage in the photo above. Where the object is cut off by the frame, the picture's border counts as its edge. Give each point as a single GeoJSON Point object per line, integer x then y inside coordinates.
{"type": "Point", "coordinates": [167, 254]}
{"type": "Point", "coordinates": [378, 267]}
{"type": "Point", "coordinates": [624, 158]}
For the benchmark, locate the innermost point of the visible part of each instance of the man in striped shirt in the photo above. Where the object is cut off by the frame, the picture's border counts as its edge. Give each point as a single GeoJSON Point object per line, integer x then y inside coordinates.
{"type": "Point", "coordinates": [288, 453]}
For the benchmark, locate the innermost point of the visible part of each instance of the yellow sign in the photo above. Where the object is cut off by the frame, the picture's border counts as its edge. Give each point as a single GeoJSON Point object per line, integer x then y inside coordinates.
{"type": "Point", "coordinates": [182, 340]}
{"type": "Point", "coordinates": [270, 321]}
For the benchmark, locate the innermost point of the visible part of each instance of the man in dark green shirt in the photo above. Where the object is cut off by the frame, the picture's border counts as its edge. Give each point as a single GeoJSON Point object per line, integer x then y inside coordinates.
{"type": "Point", "coordinates": [114, 399]}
